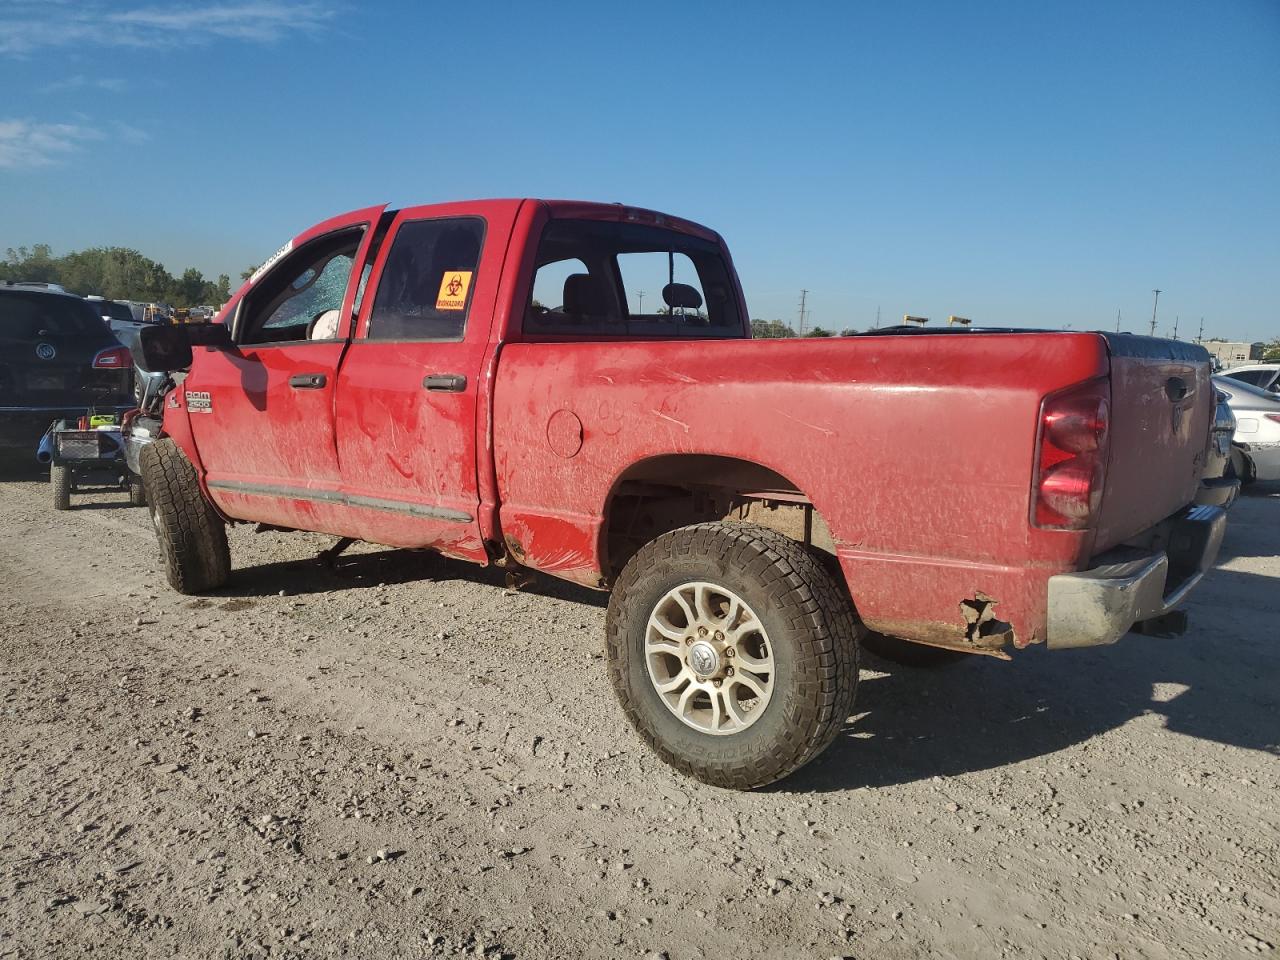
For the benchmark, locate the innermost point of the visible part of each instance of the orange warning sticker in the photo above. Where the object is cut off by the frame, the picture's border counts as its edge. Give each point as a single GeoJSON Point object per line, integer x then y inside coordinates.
{"type": "Point", "coordinates": [453, 290]}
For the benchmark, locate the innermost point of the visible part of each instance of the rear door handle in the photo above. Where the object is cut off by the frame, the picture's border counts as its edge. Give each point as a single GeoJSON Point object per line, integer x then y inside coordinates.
{"type": "Point", "coordinates": [445, 382]}
{"type": "Point", "coordinates": [308, 381]}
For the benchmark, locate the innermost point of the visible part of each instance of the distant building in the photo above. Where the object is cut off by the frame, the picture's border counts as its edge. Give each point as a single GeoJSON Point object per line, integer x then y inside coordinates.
{"type": "Point", "coordinates": [1230, 354]}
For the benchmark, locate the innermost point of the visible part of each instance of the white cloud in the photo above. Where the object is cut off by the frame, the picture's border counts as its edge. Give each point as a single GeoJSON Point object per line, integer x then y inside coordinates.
{"type": "Point", "coordinates": [79, 82]}
{"type": "Point", "coordinates": [26, 26]}
{"type": "Point", "coordinates": [26, 143]}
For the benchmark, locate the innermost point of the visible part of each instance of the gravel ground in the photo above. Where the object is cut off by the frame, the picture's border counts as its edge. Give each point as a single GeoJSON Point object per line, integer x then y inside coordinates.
{"type": "Point", "coordinates": [400, 758]}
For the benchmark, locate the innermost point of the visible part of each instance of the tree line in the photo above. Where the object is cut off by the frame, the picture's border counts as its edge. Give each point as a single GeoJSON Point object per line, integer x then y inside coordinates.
{"type": "Point", "coordinates": [777, 330]}
{"type": "Point", "coordinates": [117, 273]}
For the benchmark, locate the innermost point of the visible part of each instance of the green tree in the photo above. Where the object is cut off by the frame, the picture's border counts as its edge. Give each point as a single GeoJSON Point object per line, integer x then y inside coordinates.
{"type": "Point", "coordinates": [818, 332]}
{"type": "Point", "coordinates": [1271, 351]}
{"type": "Point", "coordinates": [770, 329]}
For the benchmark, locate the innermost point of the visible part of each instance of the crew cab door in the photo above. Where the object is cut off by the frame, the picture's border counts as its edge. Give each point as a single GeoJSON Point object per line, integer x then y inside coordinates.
{"type": "Point", "coordinates": [261, 411]}
{"type": "Point", "coordinates": [407, 392]}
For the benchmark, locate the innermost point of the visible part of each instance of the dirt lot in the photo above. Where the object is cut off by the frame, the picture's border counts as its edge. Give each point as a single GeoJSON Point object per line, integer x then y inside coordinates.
{"type": "Point", "coordinates": [400, 758]}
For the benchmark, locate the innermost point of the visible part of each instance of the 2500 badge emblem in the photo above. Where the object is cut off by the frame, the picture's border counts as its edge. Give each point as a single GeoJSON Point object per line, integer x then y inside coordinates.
{"type": "Point", "coordinates": [198, 401]}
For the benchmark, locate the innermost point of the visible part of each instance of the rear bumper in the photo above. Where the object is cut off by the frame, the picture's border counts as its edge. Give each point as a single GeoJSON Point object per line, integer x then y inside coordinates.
{"type": "Point", "coordinates": [1100, 605]}
{"type": "Point", "coordinates": [1220, 492]}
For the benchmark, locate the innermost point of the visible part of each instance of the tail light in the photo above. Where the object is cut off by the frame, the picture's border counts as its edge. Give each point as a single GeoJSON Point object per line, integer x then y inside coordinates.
{"type": "Point", "coordinates": [1273, 417]}
{"type": "Point", "coordinates": [1071, 461]}
{"type": "Point", "coordinates": [112, 358]}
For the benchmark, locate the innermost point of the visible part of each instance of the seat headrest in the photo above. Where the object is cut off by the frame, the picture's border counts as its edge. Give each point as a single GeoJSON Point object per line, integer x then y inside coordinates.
{"type": "Point", "coordinates": [682, 296]}
{"type": "Point", "coordinates": [583, 296]}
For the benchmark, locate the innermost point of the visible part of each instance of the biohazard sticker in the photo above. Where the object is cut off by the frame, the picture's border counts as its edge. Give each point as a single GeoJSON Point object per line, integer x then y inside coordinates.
{"type": "Point", "coordinates": [453, 290]}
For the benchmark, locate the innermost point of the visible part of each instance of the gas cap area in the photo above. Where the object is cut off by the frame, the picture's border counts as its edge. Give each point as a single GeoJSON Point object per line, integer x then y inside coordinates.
{"type": "Point", "coordinates": [564, 434]}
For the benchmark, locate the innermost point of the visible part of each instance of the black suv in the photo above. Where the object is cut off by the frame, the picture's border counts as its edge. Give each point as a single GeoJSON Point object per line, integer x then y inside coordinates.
{"type": "Point", "coordinates": [57, 359]}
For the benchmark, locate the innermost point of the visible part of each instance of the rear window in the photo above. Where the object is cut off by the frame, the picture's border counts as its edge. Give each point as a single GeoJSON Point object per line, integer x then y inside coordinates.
{"type": "Point", "coordinates": [28, 316]}
{"type": "Point", "coordinates": [602, 278]}
{"type": "Point", "coordinates": [116, 311]}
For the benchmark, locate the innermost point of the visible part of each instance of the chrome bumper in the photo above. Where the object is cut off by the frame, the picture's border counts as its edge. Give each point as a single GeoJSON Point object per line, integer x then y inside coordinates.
{"type": "Point", "coordinates": [1100, 605]}
{"type": "Point", "coordinates": [142, 431]}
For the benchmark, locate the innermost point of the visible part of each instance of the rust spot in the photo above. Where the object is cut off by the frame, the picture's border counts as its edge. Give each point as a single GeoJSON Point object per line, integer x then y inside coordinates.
{"type": "Point", "coordinates": [982, 628]}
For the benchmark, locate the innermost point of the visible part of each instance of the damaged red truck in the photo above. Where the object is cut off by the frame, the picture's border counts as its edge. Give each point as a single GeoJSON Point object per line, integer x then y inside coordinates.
{"type": "Point", "coordinates": [472, 378]}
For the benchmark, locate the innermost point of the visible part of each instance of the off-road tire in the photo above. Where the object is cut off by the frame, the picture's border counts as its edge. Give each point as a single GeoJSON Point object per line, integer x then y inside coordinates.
{"type": "Point", "coordinates": [812, 630]}
{"type": "Point", "coordinates": [60, 486]}
{"type": "Point", "coordinates": [193, 538]}
{"type": "Point", "coordinates": [137, 492]}
{"type": "Point", "coordinates": [908, 654]}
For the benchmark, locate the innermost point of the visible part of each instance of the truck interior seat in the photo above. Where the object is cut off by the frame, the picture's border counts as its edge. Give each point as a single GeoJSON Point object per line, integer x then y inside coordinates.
{"type": "Point", "coordinates": [584, 299]}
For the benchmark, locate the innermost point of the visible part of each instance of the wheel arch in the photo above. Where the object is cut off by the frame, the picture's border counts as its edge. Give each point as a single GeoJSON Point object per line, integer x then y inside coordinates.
{"type": "Point", "coordinates": [658, 494]}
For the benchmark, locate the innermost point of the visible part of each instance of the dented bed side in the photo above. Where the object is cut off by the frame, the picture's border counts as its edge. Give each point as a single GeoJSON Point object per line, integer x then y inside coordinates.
{"type": "Point", "coordinates": [917, 455]}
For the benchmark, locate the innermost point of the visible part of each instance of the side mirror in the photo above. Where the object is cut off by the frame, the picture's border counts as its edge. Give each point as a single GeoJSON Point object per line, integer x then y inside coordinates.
{"type": "Point", "coordinates": [209, 335]}
{"type": "Point", "coordinates": [162, 349]}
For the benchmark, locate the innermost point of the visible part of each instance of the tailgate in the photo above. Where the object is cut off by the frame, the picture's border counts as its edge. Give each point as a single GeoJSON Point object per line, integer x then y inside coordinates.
{"type": "Point", "coordinates": [1162, 401]}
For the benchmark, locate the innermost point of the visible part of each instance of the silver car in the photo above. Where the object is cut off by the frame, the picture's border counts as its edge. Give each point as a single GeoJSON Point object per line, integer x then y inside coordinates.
{"type": "Point", "coordinates": [1255, 450]}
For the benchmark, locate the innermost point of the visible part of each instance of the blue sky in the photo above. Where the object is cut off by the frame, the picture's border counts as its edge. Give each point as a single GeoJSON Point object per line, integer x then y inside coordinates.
{"type": "Point", "coordinates": [1018, 163]}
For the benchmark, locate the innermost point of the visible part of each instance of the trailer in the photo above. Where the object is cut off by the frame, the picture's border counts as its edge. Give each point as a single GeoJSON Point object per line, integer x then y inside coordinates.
{"type": "Point", "coordinates": [87, 454]}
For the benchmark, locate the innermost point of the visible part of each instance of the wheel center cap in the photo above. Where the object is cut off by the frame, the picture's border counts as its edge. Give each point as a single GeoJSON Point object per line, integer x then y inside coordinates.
{"type": "Point", "coordinates": [704, 659]}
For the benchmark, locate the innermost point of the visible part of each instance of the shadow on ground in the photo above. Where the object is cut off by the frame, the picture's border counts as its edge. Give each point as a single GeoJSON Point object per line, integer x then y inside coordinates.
{"type": "Point", "coordinates": [1218, 684]}
{"type": "Point", "coordinates": [362, 570]}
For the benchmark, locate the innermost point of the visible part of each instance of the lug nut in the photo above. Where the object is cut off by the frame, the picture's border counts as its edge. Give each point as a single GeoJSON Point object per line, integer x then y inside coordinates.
{"type": "Point", "coordinates": [729, 652]}
{"type": "Point", "coordinates": [717, 682]}
{"type": "Point", "coordinates": [688, 639]}
{"type": "Point", "coordinates": [702, 631]}
{"type": "Point", "coordinates": [728, 671]}
{"type": "Point", "coordinates": [719, 635]}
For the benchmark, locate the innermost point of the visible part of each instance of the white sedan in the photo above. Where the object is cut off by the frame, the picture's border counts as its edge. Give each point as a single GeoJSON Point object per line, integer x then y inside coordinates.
{"type": "Point", "coordinates": [1255, 451]}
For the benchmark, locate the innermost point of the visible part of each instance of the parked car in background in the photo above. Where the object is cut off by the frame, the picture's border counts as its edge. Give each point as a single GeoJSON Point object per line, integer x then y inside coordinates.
{"type": "Point", "coordinates": [57, 359]}
{"type": "Point", "coordinates": [1255, 453]}
{"type": "Point", "coordinates": [1220, 484]}
{"type": "Point", "coordinates": [120, 316]}
{"type": "Point", "coordinates": [1264, 376]}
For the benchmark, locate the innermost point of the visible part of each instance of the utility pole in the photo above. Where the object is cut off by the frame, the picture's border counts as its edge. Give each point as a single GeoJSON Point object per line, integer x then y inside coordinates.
{"type": "Point", "coordinates": [1200, 335]}
{"type": "Point", "coordinates": [1117, 321]}
{"type": "Point", "coordinates": [640, 297]}
{"type": "Point", "coordinates": [1175, 326]}
{"type": "Point", "coordinates": [803, 295]}
{"type": "Point", "coordinates": [1154, 304]}
{"type": "Point", "coordinates": [877, 316]}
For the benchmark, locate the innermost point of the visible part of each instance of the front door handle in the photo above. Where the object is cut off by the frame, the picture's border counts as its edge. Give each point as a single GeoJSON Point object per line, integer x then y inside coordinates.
{"type": "Point", "coordinates": [445, 382]}
{"type": "Point", "coordinates": [308, 381]}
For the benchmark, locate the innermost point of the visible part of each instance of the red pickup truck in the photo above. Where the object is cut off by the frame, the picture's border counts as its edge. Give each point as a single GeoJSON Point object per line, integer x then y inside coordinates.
{"type": "Point", "coordinates": [483, 379]}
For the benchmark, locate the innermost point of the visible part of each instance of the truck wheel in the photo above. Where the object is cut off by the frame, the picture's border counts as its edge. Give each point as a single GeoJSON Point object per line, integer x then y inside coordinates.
{"type": "Point", "coordinates": [60, 484]}
{"type": "Point", "coordinates": [193, 538]}
{"type": "Point", "coordinates": [733, 652]}
{"type": "Point", "coordinates": [897, 650]}
{"type": "Point", "coordinates": [137, 491]}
